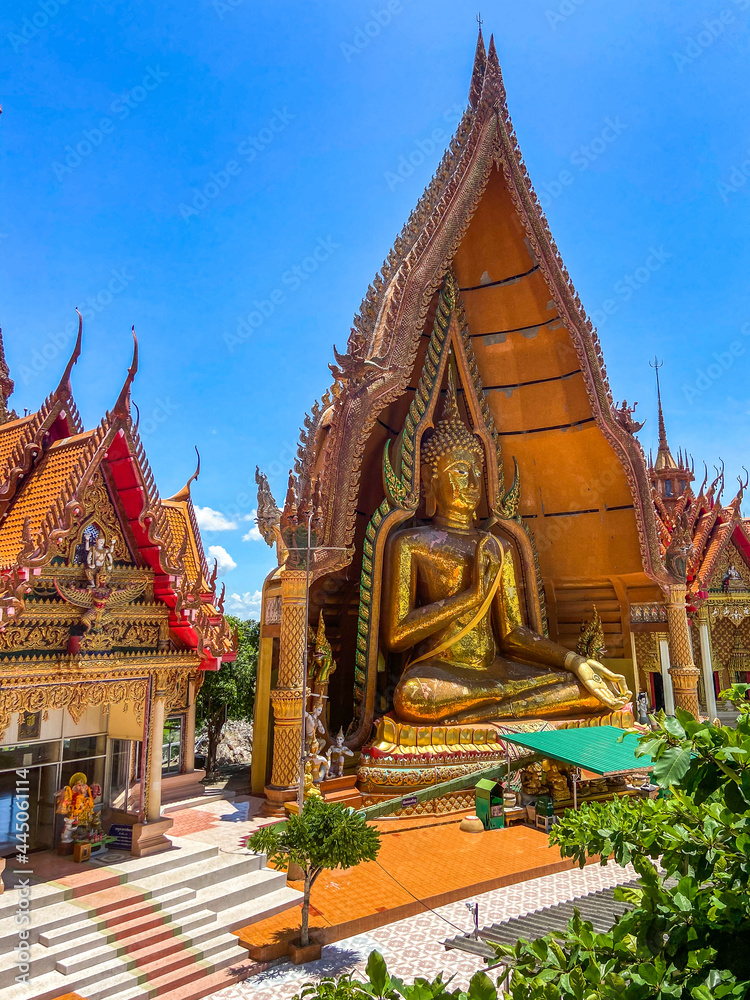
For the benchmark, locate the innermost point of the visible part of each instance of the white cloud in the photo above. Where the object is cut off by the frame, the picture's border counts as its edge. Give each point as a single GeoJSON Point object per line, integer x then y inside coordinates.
{"type": "Point", "coordinates": [253, 535]}
{"type": "Point", "coordinates": [213, 520]}
{"type": "Point", "coordinates": [222, 557]}
{"type": "Point", "coordinates": [247, 604]}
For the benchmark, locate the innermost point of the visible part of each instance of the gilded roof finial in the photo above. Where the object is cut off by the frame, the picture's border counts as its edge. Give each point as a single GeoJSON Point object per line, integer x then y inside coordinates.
{"type": "Point", "coordinates": [64, 384]}
{"type": "Point", "coordinates": [122, 406]}
{"type": "Point", "coordinates": [6, 386]}
{"type": "Point", "coordinates": [184, 494]}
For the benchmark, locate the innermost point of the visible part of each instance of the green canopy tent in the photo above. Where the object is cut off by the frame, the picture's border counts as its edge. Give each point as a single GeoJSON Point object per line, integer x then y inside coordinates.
{"type": "Point", "coordinates": [603, 750]}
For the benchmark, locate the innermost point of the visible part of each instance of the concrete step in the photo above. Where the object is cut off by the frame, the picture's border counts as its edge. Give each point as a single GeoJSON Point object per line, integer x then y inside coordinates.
{"type": "Point", "coordinates": [221, 868]}
{"type": "Point", "coordinates": [56, 936]}
{"type": "Point", "coordinates": [40, 962]}
{"type": "Point", "coordinates": [240, 890]}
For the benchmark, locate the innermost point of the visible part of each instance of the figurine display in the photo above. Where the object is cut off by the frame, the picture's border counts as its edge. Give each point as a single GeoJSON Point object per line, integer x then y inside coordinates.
{"type": "Point", "coordinates": [336, 753]}
{"type": "Point", "coordinates": [75, 802]}
{"type": "Point", "coordinates": [532, 782]}
{"type": "Point", "coordinates": [557, 782]}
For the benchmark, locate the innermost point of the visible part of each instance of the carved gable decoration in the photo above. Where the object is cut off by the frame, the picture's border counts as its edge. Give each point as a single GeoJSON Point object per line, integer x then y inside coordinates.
{"type": "Point", "coordinates": [99, 541]}
{"type": "Point", "coordinates": [731, 572]}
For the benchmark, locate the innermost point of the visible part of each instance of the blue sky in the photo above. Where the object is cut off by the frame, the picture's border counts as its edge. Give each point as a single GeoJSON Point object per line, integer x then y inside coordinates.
{"type": "Point", "coordinates": [180, 166]}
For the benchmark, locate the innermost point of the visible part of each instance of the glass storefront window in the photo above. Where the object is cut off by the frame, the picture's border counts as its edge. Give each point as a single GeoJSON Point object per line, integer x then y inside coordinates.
{"type": "Point", "coordinates": [124, 786]}
{"type": "Point", "coordinates": [84, 746]}
{"type": "Point", "coordinates": [29, 755]}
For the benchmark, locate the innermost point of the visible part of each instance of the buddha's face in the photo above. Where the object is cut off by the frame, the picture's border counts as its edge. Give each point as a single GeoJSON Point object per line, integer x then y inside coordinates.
{"type": "Point", "coordinates": [457, 483]}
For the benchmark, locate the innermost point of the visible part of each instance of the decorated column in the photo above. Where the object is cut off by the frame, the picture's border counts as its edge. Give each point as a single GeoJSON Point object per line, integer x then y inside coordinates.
{"type": "Point", "coordinates": [188, 760]}
{"type": "Point", "coordinates": [706, 659]}
{"type": "Point", "coordinates": [149, 836]}
{"type": "Point", "coordinates": [682, 670]}
{"type": "Point", "coordinates": [155, 743]}
{"type": "Point", "coordinates": [666, 678]}
{"type": "Point", "coordinates": [286, 697]}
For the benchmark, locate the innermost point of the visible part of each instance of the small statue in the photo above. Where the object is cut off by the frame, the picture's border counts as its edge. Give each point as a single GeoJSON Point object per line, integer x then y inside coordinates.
{"type": "Point", "coordinates": [313, 722]}
{"type": "Point", "coordinates": [532, 783]}
{"type": "Point", "coordinates": [336, 753]}
{"type": "Point", "coordinates": [76, 803]}
{"type": "Point", "coordinates": [557, 781]}
{"type": "Point", "coordinates": [323, 663]}
{"type": "Point", "coordinates": [625, 417]}
{"type": "Point", "coordinates": [310, 789]}
{"type": "Point", "coordinates": [318, 762]}
{"type": "Point", "coordinates": [732, 579]}
{"type": "Point", "coordinates": [100, 560]}
{"type": "Point", "coordinates": [642, 708]}
{"type": "Point", "coordinates": [679, 550]}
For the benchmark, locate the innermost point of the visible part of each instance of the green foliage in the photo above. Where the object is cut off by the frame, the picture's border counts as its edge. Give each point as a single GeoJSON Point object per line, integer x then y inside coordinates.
{"type": "Point", "coordinates": [229, 693]}
{"type": "Point", "coordinates": [687, 939]}
{"type": "Point", "coordinates": [323, 836]}
{"type": "Point", "coordinates": [383, 986]}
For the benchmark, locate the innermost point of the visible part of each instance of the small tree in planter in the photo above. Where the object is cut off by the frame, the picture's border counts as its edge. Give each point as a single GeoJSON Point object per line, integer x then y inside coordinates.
{"type": "Point", "coordinates": [322, 837]}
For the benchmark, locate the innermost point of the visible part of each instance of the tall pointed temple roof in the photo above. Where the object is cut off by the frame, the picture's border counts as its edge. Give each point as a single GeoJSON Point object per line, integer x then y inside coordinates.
{"type": "Point", "coordinates": [48, 467]}
{"type": "Point", "coordinates": [585, 489]}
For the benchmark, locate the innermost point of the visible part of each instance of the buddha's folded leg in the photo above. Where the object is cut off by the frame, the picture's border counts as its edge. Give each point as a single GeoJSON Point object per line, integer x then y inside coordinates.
{"type": "Point", "coordinates": [435, 692]}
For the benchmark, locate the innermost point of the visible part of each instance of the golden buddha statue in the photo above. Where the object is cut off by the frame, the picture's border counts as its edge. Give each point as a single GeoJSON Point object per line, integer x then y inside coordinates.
{"type": "Point", "coordinates": [448, 604]}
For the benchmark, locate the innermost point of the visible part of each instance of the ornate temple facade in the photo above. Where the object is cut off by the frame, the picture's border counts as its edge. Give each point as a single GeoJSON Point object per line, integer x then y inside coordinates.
{"type": "Point", "coordinates": [546, 511]}
{"type": "Point", "coordinates": [712, 539]}
{"type": "Point", "coordinates": [109, 619]}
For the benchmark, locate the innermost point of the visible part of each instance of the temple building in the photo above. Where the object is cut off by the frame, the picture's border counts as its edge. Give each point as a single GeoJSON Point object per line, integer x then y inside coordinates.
{"type": "Point", "coordinates": [109, 619]}
{"type": "Point", "coordinates": [470, 514]}
{"type": "Point", "coordinates": [711, 540]}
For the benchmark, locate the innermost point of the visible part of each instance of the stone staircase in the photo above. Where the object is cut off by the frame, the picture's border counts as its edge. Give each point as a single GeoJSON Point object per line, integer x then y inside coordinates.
{"type": "Point", "coordinates": [151, 927]}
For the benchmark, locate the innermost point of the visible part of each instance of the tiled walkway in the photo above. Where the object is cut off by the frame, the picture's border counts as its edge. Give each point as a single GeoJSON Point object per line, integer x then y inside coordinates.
{"type": "Point", "coordinates": [434, 865]}
{"type": "Point", "coordinates": [413, 947]}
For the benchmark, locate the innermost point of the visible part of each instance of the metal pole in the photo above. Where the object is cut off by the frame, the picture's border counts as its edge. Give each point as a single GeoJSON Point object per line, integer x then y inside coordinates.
{"type": "Point", "coordinates": [301, 789]}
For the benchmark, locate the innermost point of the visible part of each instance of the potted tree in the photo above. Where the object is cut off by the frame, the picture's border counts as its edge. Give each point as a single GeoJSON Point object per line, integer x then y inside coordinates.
{"type": "Point", "coordinates": [322, 837]}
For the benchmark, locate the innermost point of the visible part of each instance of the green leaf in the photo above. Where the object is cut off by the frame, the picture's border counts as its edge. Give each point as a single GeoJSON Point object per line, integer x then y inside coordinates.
{"type": "Point", "coordinates": [481, 987]}
{"type": "Point", "coordinates": [377, 972]}
{"type": "Point", "coordinates": [674, 727]}
{"type": "Point", "coordinates": [672, 766]}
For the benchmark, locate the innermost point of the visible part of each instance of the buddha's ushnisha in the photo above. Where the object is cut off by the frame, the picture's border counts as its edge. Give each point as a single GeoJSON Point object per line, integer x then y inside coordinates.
{"type": "Point", "coordinates": [446, 606]}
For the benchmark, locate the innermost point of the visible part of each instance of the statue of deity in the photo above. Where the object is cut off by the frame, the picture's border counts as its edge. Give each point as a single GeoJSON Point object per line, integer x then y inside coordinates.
{"type": "Point", "coordinates": [448, 603]}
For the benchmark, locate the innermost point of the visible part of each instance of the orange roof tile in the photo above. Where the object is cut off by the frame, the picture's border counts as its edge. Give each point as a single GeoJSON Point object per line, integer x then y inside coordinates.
{"type": "Point", "coordinates": [179, 523]}
{"type": "Point", "coordinates": [10, 434]}
{"type": "Point", "coordinates": [38, 494]}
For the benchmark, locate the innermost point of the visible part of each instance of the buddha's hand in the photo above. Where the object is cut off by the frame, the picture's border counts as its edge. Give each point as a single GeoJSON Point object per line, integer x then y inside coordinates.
{"type": "Point", "coordinates": [608, 687]}
{"type": "Point", "coordinates": [487, 563]}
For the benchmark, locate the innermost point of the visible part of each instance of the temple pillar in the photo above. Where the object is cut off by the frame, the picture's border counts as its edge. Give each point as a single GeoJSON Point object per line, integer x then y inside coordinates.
{"type": "Point", "coordinates": [188, 759]}
{"type": "Point", "coordinates": [666, 677]}
{"type": "Point", "coordinates": [148, 837]}
{"type": "Point", "coordinates": [683, 670]}
{"type": "Point", "coordinates": [706, 659]}
{"type": "Point", "coordinates": [286, 697]}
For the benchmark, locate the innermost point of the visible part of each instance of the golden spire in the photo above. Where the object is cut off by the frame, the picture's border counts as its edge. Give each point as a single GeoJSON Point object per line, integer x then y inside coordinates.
{"type": "Point", "coordinates": [122, 406]}
{"type": "Point", "coordinates": [664, 459]}
{"type": "Point", "coordinates": [6, 386]}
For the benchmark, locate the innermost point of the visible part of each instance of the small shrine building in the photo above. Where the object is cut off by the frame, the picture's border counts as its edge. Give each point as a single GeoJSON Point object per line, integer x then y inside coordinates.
{"type": "Point", "coordinates": [109, 619]}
